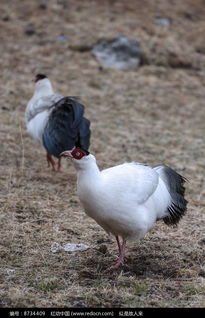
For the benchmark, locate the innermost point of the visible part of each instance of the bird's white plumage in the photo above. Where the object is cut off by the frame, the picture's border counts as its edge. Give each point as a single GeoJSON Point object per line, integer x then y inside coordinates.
{"type": "Point", "coordinates": [126, 200]}
{"type": "Point", "coordinates": [39, 108]}
{"type": "Point", "coordinates": [36, 126]}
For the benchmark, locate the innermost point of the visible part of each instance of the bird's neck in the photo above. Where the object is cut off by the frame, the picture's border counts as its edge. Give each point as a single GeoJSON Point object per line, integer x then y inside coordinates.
{"type": "Point", "coordinates": [88, 174]}
{"type": "Point", "coordinates": [44, 89]}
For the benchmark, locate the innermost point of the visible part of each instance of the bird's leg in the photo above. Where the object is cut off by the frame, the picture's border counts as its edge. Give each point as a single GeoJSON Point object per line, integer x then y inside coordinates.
{"type": "Point", "coordinates": [121, 258]}
{"type": "Point", "coordinates": [50, 161]}
{"type": "Point", "coordinates": [118, 244]}
{"type": "Point", "coordinates": [59, 165]}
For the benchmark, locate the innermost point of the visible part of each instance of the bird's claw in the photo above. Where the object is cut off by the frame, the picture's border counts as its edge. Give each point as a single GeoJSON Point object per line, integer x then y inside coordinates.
{"type": "Point", "coordinates": [120, 261]}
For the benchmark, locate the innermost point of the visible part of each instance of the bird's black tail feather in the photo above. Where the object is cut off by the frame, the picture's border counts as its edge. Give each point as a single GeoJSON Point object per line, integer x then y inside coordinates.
{"type": "Point", "coordinates": [175, 185]}
{"type": "Point", "coordinates": [66, 127]}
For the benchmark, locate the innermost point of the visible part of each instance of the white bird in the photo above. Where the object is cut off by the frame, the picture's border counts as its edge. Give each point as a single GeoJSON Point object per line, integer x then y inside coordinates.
{"type": "Point", "coordinates": [55, 121]}
{"type": "Point", "coordinates": [127, 200]}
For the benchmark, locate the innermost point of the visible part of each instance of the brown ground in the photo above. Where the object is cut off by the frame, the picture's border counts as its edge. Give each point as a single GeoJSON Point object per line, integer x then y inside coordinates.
{"type": "Point", "coordinates": [154, 115]}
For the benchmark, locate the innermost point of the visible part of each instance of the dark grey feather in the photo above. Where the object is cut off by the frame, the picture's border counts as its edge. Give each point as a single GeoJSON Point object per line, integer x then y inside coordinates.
{"type": "Point", "coordinates": [175, 185]}
{"type": "Point", "coordinates": [66, 127]}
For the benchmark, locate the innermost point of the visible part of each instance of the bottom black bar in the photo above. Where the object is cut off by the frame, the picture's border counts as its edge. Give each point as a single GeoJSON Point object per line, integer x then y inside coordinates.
{"type": "Point", "coordinates": [98, 312]}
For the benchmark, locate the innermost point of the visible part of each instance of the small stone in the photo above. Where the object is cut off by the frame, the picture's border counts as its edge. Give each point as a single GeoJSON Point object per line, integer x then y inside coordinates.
{"type": "Point", "coordinates": [79, 305]}
{"type": "Point", "coordinates": [61, 38]}
{"type": "Point", "coordinates": [103, 249]}
{"type": "Point", "coordinates": [30, 32]}
{"type": "Point", "coordinates": [202, 273]}
{"type": "Point", "coordinates": [163, 21]}
{"type": "Point", "coordinates": [42, 6]}
{"type": "Point", "coordinates": [5, 18]}
{"type": "Point", "coordinates": [202, 242]}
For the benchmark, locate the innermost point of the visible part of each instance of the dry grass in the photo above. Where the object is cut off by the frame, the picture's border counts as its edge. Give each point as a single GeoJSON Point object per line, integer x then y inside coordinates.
{"type": "Point", "coordinates": [153, 115]}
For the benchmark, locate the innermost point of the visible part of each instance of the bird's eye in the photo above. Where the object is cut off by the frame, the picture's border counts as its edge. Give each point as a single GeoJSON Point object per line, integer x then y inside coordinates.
{"type": "Point", "coordinates": [78, 153]}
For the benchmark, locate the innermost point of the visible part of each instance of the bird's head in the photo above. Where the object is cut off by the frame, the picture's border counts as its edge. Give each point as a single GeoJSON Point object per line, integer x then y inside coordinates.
{"type": "Point", "coordinates": [79, 156]}
{"type": "Point", "coordinates": [39, 77]}
{"type": "Point", "coordinates": [76, 153]}
{"type": "Point", "coordinates": [43, 85]}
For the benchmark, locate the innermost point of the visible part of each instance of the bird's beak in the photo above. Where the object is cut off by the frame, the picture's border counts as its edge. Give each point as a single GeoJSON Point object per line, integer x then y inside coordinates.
{"type": "Point", "coordinates": [66, 153]}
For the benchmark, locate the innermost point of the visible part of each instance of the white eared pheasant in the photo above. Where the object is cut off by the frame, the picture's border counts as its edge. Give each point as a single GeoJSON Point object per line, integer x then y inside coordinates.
{"type": "Point", "coordinates": [127, 200]}
{"type": "Point", "coordinates": [55, 121]}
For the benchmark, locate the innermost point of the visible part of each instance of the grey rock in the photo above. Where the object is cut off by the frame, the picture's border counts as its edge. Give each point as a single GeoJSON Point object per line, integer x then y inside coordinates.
{"type": "Point", "coordinates": [120, 52]}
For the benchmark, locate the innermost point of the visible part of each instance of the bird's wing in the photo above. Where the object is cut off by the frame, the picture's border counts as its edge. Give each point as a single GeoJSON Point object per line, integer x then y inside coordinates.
{"type": "Point", "coordinates": [38, 105]}
{"type": "Point", "coordinates": [133, 180]}
{"type": "Point", "coordinates": [84, 134]}
{"type": "Point", "coordinates": [65, 127]}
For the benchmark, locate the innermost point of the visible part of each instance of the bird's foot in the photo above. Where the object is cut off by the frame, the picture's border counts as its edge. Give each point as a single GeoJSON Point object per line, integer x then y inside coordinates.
{"type": "Point", "coordinates": [117, 264]}
{"type": "Point", "coordinates": [120, 261]}
{"type": "Point", "coordinates": [59, 166]}
{"type": "Point", "coordinates": [59, 170]}
{"type": "Point", "coordinates": [50, 162]}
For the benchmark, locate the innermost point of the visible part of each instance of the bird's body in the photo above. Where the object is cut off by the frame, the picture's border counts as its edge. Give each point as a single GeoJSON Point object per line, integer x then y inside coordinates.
{"type": "Point", "coordinates": [128, 199]}
{"type": "Point", "coordinates": [54, 121]}
{"type": "Point", "coordinates": [125, 200]}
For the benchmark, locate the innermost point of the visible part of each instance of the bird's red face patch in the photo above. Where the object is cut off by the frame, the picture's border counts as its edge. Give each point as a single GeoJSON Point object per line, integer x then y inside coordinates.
{"type": "Point", "coordinates": [78, 153]}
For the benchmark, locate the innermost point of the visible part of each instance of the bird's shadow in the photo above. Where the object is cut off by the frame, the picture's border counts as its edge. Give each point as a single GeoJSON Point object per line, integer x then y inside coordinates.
{"type": "Point", "coordinates": [152, 261]}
